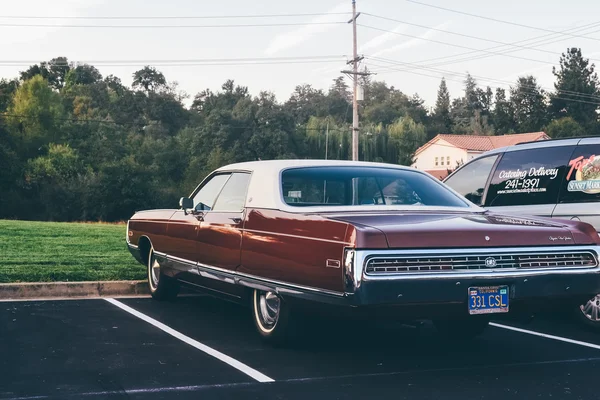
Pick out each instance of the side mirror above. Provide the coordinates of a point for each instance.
(186, 203)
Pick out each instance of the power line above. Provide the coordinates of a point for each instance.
(537, 41)
(526, 88)
(137, 17)
(565, 92)
(169, 26)
(468, 36)
(498, 20)
(188, 62)
(454, 45)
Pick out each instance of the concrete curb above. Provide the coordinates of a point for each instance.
(42, 290)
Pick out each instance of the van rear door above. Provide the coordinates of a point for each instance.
(579, 196)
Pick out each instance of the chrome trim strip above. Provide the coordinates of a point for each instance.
(291, 285)
(295, 236)
(362, 256)
(235, 277)
(132, 246)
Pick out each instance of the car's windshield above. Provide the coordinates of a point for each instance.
(344, 186)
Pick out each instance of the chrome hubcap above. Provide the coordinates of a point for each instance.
(591, 309)
(154, 272)
(268, 309)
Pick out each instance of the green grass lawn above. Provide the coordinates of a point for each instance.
(57, 251)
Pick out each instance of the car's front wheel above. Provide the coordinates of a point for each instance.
(271, 317)
(589, 313)
(162, 287)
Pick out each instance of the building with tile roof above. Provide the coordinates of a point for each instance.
(444, 153)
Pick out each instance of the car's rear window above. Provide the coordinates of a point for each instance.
(334, 186)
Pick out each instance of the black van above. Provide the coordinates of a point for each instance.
(558, 178)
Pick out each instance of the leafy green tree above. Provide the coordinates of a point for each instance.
(7, 90)
(306, 102)
(564, 127)
(149, 79)
(529, 105)
(83, 75)
(54, 71)
(577, 89)
(407, 136)
(35, 115)
(50, 181)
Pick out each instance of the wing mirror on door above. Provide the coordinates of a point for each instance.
(186, 203)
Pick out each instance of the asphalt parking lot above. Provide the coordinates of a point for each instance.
(200, 347)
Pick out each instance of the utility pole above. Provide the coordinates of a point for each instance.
(354, 74)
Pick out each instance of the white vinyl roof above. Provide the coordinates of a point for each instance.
(264, 190)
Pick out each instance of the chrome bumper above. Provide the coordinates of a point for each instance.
(408, 288)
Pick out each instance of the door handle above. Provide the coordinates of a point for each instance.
(237, 220)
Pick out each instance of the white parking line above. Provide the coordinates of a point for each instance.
(202, 347)
(545, 335)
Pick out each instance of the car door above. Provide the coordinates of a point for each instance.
(527, 179)
(580, 189)
(183, 226)
(220, 232)
(471, 179)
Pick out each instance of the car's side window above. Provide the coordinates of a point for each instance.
(582, 182)
(529, 177)
(471, 179)
(233, 195)
(206, 196)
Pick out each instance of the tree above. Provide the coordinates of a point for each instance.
(54, 71)
(340, 88)
(441, 113)
(503, 113)
(7, 90)
(564, 127)
(149, 79)
(83, 75)
(577, 89)
(35, 115)
(472, 95)
(529, 105)
(407, 136)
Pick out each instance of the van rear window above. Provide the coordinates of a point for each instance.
(582, 181)
(532, 176)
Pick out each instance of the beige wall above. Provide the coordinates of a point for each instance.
(441, 149)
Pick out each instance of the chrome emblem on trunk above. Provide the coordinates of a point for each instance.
(490, 262)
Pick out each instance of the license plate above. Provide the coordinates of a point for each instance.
(488, 299)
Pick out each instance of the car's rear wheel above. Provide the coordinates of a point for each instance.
(162, 287)
(468, 328)
(271, 316)
(589, 313)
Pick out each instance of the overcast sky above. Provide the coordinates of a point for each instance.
(102, 44)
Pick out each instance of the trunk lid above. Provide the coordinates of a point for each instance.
(457, 229)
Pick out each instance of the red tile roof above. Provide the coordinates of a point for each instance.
(485, 143)
(438, 173)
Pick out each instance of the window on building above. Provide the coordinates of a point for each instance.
(436, 161)
(442, 160)
(448, 160)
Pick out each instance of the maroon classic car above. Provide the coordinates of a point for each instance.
(376, 240)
